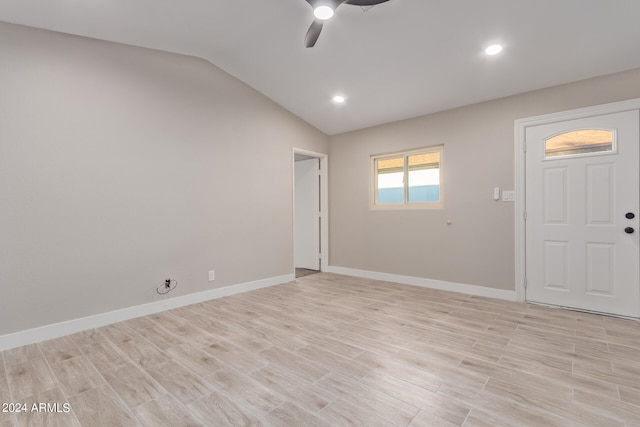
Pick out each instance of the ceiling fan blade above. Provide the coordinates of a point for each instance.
(313, 33)
(365, 2)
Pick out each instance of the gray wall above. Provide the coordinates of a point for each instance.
(122, 166)
(478, 247)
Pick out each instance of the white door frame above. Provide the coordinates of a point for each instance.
(324, 204)
(521, 126)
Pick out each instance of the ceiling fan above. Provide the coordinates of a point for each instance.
(323, 10)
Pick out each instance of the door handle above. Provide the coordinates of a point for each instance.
(629, 230)
(629, 215)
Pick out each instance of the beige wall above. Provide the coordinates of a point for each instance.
(478, 247)
(122, 166)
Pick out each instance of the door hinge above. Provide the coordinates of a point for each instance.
(525, 283)
(524, 146)
(524, 215)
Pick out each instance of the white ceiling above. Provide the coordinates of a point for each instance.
(397, 60)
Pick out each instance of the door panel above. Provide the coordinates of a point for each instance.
(600, 269)
(555, 191)
(600, 194)
(577, 251)
(555, 265)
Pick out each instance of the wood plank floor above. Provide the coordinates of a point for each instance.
(330, 350)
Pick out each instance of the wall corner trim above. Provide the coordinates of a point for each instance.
(476, 290)
(57, 330)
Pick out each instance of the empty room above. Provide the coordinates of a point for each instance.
(320, 213)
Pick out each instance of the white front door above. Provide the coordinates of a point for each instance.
(582, 202)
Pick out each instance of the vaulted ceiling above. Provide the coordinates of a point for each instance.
(396, 60)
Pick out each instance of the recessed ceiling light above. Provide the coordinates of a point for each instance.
(323, 12)
(494, 49)
(338, 99)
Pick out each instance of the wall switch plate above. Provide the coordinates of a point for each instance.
(212, 275)
(508, 196)
(496, 193)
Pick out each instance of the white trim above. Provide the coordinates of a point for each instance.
(427, 283)
(57, 330)
(520, 127)
(324, 204)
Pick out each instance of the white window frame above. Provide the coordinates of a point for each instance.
(373, 187)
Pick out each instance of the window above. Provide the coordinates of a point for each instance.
(580, 142)
(407, 180)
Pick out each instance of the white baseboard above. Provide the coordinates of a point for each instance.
(69, 327)
(482, 291)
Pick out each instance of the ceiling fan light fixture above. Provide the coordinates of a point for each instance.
(494, 49)
(323, 12)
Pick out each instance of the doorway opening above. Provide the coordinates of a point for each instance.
(310, 219)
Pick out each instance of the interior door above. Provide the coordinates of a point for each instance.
(582, 191)
(307, 214)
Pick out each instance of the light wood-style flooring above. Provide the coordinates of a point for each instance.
(301, 272)
(330, 350)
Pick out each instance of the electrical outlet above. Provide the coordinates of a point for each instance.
(212, 275)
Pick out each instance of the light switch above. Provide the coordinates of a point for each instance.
(508, 196)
